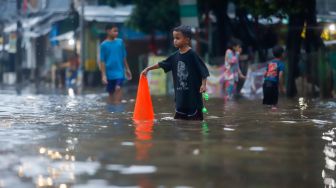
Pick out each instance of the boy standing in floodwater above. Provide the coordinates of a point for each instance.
(189, 75)
(113, 64)
(274, 78)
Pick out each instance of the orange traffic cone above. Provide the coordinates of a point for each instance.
(143, 110)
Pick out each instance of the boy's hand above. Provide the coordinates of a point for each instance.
(104, 80)
(283, 90)
(128, 74)
(144, 72)
(203, 88)
(240, 50)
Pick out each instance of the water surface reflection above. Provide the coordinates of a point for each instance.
(65, 142)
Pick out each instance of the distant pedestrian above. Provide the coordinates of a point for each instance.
(113, 64)
(71, 73)
(231, 69)
(189, 74)
(274, 79)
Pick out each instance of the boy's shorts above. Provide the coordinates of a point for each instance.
(197, 116)
(112, 84)
(71, 77)
(271, 93)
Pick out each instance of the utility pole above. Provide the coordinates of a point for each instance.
(189, 16)
(18, 58)
(209, 34)
(82, 43)
(82, 38)
(2, 52)
(74, 16)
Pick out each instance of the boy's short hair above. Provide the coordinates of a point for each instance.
(185, 30)
(278, 51)
(110, 26)
(234, 42)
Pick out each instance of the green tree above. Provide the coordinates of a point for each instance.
(114, 2)
(224, 26)
(241, 26)
(301, 14)
(306, 15)
(152, 16)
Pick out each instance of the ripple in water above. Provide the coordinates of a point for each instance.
(328, 174)
(133, 169)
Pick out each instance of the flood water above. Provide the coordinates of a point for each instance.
(81, 142)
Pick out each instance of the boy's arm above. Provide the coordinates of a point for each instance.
(241, 75)
(229, 57)
(203, 86)
(103, 72)
(64, 65)
(145, 71)
(128, 71)
(282, 82)
(102, 65)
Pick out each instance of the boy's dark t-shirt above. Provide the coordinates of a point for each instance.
(188, 70)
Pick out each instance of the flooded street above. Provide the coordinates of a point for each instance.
(81, 142)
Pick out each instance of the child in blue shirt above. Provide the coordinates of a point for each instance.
(113, 64)
(274, 78)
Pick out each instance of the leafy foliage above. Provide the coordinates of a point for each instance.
(114, 2)
(266, 8)
(149, 16)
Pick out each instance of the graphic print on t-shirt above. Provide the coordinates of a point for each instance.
(182, 74)
(272, 70)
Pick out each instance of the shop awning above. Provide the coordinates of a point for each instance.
(107, 14)
(37, 25)
(66, 36)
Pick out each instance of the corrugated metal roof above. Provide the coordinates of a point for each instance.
(325, 6)
(7, 9)
(58, 5)
(38, 23)
(108, 14)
